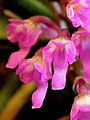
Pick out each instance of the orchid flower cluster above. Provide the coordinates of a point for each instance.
(51, 62)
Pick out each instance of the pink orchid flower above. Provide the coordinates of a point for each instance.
(81, 106)
(26, 33)
(38, 70)
(60, 52)
(78, 11)
(81, 38)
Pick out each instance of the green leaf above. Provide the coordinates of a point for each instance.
(36, 7)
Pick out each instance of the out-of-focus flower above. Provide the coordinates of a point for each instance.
(81, 38)
(26, 33)
(78, 11)
(60, 52)
(81, 106)
(38, 70)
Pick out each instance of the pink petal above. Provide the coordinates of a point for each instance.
(15, 35)
(85, 58)
(38, 66)
(59, 78)
(26, 77)
(60, 70)
(74, 112)
(84, 18)
(65, 33)
(10, 30)
(46, 71)
(26, 71)
(48, 52)
(32, 37)
(72, 14)
(37, 76)
(38, 60)
(60, 41)
(16, 58)
(48, 32)
(70, 52)
(14, 30)
(39, 95)
(16, 22)
(80, 108)
(22, 66)
(75, 10)
(49, 28)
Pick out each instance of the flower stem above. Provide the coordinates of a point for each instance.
(8, 89)
(17, 101)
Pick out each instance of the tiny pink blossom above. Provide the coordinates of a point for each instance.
(38, 70)
(78, 11)
(26, 33)
(81, 38)
(81, 106)
(60, 52)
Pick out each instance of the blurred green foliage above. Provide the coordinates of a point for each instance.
(3, 23)
(41, 7)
